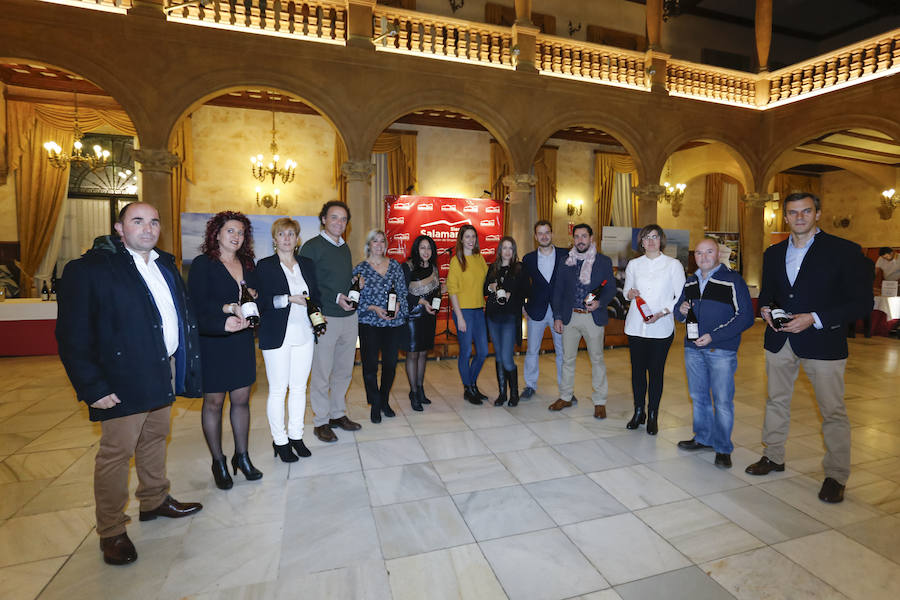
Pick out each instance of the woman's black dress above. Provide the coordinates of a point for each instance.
(229, 359)
(421, 282)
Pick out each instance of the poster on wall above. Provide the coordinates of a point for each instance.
(620, 244)
(407, 217)
(729, 248)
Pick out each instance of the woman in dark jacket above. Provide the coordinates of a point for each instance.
(226, 343)
(504, 287)
(286, 335)
(423, 285)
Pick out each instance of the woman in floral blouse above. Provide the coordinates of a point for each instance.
(379, 333)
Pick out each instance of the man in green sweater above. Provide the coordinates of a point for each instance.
(332, 366)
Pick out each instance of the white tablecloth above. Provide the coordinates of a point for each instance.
(889, 305)
(26, 309)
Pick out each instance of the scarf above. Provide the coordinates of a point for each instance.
(588, 257)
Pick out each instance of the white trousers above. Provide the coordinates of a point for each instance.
(287, 367)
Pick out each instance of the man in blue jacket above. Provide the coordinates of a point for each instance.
(822, 284)
(579, 302)
(129, 342)
(541, 267)
(721, 302)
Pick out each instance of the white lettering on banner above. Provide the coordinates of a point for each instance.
(401, 237)
(396, 251)
(487, 223)
(449, 208)
(492, 209)
(445, 267)
(425, 207)
(401, 206)
(470, 208)
(488, 251)
(396, 221)
(437, 234)
(492, 238)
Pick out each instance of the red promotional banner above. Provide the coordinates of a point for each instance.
(407, 217)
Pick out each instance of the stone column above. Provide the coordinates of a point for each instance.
(365, 216)
(647, 197)
(525, 41)
(654, 24)
(155, 167)
(523, 12)
(753, 241)
(763, 43)
(519, 212)
(657, 64)
(359, 23)
(4, 166)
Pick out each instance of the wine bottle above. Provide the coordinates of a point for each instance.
(315, 315)
(693, 325)
(353, 294)
(392, 303)
(53, 285)
(500, 294)
(248, 306)
(643, 308)
(436, 302)
(45, 293)
(592, 295)
(779, 317)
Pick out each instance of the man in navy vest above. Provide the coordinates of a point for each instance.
(540, 265)
(822, 284)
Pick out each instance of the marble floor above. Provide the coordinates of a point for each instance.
(471, 502)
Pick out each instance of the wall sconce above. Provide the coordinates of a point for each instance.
(573, 29)
(890, 199)
(574, 207)
(267, 200)
(841, 222)
(770, 217)
(455, 5)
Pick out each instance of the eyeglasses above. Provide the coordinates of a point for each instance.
(651, 236)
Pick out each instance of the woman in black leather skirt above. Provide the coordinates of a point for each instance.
(423, 285)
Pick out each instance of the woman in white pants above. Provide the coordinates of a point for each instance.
(286, 336)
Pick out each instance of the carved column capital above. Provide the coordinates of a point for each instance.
(155, 160)
(520, 182)
(359, 170)
(648, 191)
(758, 200)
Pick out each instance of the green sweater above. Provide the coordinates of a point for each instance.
(334, 268)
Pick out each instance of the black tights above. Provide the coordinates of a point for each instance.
(415, 369)
(211, 419)
(648, 362)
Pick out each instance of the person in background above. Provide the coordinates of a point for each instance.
(503, 313)
(226, 342)
(286, 336)
(658, 280)
(380, 332)
(422, 285)
(465, 283)
(720, 301)
(128, 340)
(887, 267)
(540, 266)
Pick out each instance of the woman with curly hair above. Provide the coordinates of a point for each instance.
(226, 342)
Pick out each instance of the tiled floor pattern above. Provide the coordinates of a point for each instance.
(471, 502)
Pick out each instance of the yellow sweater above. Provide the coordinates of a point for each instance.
(468, 285)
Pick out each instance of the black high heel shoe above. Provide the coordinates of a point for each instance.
(300, 448)
(652, 427)
(220, 474)
(639, 418)
(242, 462)
(422, 398)
(284, 452)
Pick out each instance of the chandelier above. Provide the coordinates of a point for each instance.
(670, 9)
(61, 160)
(262, 170)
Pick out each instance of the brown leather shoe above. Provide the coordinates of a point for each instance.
(559, 405)
(118, 550)
(324, 433)
(600, 411)
(171, 508)
(831, 491)
(344, 423)
(763, 467)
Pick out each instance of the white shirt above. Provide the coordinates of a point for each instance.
(299, 329)
(546, 263)
(162, 297)
(660, 282)
(338, 243)
(890, 268)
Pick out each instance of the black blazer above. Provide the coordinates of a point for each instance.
(564, 290)
(833, 282)
(273, 282)
(541, 292)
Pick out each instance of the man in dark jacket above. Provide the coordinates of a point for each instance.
(579, 302)
(720, 301)
(821, 283)
(129, 343)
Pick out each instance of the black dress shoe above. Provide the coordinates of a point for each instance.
(723, 460)
(118, 550)
(242, 462)
(831, 491)
(325, 434)
(763, 467)
(691, 444)
(300, 448)
(639, 418)
(284, 452)
(344, 423)
(221, 475)
(171, 508)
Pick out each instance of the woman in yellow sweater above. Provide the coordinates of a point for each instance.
(465, 284)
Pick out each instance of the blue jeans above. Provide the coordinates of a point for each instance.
(710, 375)
(535, 335)
(476, 331)
(503, 334)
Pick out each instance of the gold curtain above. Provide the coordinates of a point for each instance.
(340, 157)
(712, 201)
(182, 175)
(499, 169)
(606, 166)
(545, 187)
(400, 146)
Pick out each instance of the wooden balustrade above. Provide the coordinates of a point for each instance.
(701, 81)
(442, 37)
(319, 20)
(119, 6)
(590, 62)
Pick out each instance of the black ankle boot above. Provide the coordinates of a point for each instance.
(652, 427)
(284, 452)
(639, 418)
(414, 401)
(477, 393)
(386, 409)
(375, 412)
(501, 386)
(512, 377)
(220, 474)
(242, 462)
(300, 448)
(472, 396)
(422, 397)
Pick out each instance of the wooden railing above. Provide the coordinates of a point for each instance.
(319, 20)
(442, 37)
(119, 6)
(591, 62)
(702, 81)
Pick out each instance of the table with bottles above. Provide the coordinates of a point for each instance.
(27, 327)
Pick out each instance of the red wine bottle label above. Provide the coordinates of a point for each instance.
(693, 331)
(316, 319)
(436, 303)
(249, 309)
(779, 314)
(392, 303)
(354, 296)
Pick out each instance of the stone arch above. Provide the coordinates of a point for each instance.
(737, 150)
